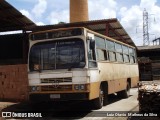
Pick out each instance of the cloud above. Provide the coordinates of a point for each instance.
(102, 9)
(40, 23)
(148, 4)
(31, 17)
(26, 13)
(58, 16)
(27, 1)
(37, 11)
(40, 8)
(132, 20)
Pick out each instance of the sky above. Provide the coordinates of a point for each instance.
(128, 12)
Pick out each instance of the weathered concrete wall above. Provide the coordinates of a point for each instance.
(13, 82)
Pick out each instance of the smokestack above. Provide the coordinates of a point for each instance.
(78, 10)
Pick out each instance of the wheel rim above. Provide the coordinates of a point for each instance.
(128, 90)
(101, 97)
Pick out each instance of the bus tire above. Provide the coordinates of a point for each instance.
(125, 93)
(98, 102)
(105, 95)
(33, 105)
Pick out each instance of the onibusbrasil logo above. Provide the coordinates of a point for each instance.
(20, 115)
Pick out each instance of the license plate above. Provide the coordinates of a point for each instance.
(54, 96)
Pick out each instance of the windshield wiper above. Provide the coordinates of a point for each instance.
(73, 62)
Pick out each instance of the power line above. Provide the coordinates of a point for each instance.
(145, 28)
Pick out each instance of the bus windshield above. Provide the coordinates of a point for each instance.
(62, 54)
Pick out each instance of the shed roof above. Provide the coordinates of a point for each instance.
(11, 19)
(108, 27)
(149, 48)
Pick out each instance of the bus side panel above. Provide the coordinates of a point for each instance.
(111, 88)
(116, 74)
(94, 90)
(124, 72)
(120, 84)
(134, 75)
(106, 74)
(94, 84)
(121, 73)
(134, 81)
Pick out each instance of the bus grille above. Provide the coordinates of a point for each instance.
(56, 80)
(56, 88)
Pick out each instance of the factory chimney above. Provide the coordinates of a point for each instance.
(78, 10)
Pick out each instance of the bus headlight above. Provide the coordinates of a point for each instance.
(80, 87)
(38, 88)
(76, 87)
(34, 88)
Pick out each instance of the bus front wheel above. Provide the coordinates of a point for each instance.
(101, 100)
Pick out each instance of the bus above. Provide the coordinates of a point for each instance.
(79, 64)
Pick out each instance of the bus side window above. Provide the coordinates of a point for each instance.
(132, 55)
(100, 48)
(135, 55)
(119, 52)
(110, 46)
(91, 54)
(126, 54)
(112, 56)
(101, 54)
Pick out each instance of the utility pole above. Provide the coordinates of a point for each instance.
(145, 28)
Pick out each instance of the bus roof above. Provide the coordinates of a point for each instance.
(96, 33)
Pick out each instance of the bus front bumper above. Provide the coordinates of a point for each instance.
(58, 97)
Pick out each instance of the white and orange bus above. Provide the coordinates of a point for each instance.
(79, 64)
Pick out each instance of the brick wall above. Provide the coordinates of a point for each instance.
(14, 82)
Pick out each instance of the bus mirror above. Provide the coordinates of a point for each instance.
(92, 44)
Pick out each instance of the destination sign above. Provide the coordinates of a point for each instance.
(56, 34)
